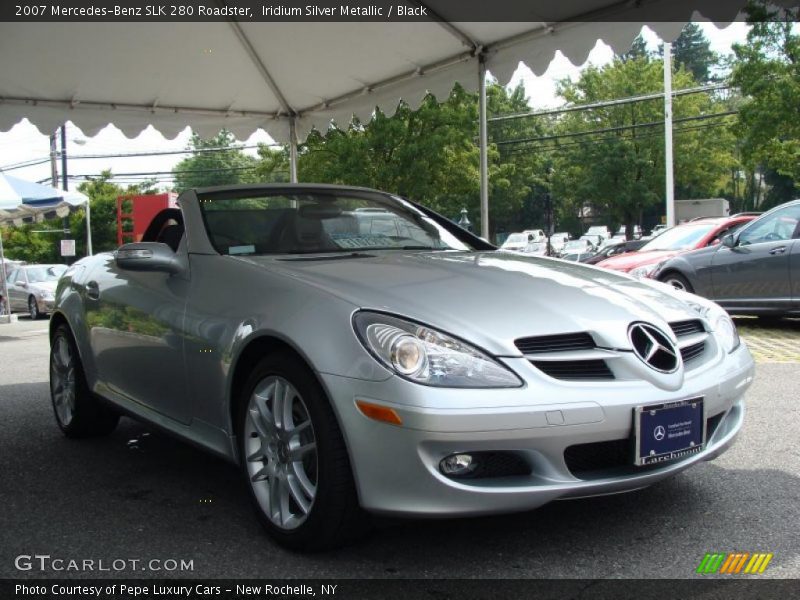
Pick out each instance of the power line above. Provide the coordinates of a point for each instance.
(604, 103)
(612, 129)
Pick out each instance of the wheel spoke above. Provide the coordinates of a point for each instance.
(285, 492)
(296, 454)
(63, 352)
(299, 474)
(298, 493)
(274, 499)
(287, 401)
(262, 474)
(298, 429)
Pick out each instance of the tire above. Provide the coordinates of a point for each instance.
(78, 412)
(305, 497)
(33, 308)
(677, 281)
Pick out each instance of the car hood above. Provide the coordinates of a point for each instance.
(491, 298)
(631, 260)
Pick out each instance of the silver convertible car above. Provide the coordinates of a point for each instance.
(353, 351)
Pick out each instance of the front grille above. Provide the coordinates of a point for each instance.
(583, 459)
(555, 343)
(691, 352)
(587, 460)
(684, 328)
(575, 370)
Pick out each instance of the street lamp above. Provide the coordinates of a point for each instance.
(464, 220)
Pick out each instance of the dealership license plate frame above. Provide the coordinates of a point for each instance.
(660, 411)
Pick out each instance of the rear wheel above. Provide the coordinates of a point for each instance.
(78, 412)
(33, 308)
(294, 458)
(678, 281)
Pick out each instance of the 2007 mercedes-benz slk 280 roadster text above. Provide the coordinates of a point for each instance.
(353, 350)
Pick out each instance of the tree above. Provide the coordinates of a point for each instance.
(692, 51)
(428, 154)
(209, 167)
(638, 50)
(767, 71)
(619, 170)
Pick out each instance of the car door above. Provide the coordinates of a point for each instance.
(17, 291)
(754, 273)
(136, 330)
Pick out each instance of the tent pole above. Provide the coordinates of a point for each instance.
(484, 142)
(89, 249)
(292, 149)
(6, 312)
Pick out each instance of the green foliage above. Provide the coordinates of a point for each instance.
(228, 166)
(767, 71)
(692, 51)
(620, 172)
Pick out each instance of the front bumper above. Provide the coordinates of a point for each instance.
(397, 467)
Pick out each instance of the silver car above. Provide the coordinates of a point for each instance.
(32, 288)
(410, 371)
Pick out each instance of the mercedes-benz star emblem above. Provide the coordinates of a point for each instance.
(654, 348)
(659, 433)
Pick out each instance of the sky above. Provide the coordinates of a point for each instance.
(24, 142)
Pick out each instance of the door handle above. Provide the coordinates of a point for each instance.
(93, 290)
(778, 250)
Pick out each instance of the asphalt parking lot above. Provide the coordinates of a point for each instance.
(140, 495)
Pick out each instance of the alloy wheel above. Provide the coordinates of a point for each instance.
(281, 452)
(62, 380)
(676, 283)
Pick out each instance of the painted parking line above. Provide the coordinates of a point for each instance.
(778, 343)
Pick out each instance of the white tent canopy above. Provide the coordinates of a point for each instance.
(290, 77)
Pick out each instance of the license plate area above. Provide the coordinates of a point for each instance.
(669, 431)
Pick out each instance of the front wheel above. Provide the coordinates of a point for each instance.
(294, 458)
(33, 308)
(678, 281)
(78, 412)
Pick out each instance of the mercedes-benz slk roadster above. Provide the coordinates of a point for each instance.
(354, 351)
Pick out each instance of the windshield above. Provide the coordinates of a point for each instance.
(682, 237)
(251, 223)
(45, 273)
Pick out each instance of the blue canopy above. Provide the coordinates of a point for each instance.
(16, 193)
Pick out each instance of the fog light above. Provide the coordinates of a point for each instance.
(457, 465)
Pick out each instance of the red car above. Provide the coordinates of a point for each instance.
(682, 238)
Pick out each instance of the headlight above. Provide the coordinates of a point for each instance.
(726, 333)
(645, 271)
(427, 356)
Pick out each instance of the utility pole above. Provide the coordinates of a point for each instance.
(65, 185)
(668, 166)
(53, 160)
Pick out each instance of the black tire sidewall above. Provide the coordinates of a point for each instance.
(91, 417)
(33, 308)
(678, 277)
(332, 487)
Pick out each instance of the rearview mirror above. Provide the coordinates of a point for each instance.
(729, 241)
(147, 256)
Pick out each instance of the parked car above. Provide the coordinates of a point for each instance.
(517, 241)
(755, 270)
(8, 267)
(601, 230)
(422, 373)
(657, 230)
(558, 240)
(621, 233)
(579, 246)
(31, 288)
(614, 250)
(682, 238)
(594, 240)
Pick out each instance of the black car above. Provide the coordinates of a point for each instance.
(754, 271)
(614, 249)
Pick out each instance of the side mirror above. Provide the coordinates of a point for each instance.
(729, 241)
(147, 256)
